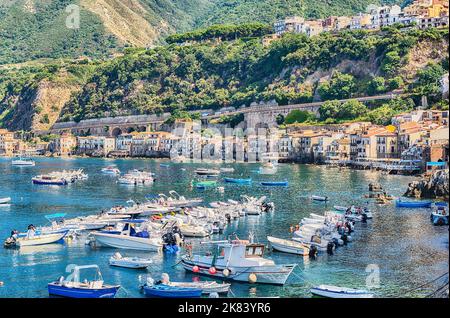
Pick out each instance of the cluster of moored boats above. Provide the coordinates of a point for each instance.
(60, 177)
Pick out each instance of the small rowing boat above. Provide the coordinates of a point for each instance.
(275, 183)
(330, 291)
(239, 181)
(413, 204)
(319, 198)
(167, 291)
(205, 184)
(288, 246)
(129, 262)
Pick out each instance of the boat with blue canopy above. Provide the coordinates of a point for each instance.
(76, 286)
(275, 183)
(239, 181)
(413, 204)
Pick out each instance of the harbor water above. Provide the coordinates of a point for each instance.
(400, 246)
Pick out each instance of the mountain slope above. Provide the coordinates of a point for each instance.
(33, 29)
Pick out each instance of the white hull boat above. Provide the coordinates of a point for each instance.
(206, 286)
(23, 162)
(128, 242)
(5, 200)
(288, 246)
(340, 292)
(239, 261)
(129, 262)
(319, 198)
(193, 231)
(41, 239)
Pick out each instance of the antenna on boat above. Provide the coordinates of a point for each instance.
(251, 237)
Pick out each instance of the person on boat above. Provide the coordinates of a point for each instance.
(164, 279)
(31, 231)
(14, 234)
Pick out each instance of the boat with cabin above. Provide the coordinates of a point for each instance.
(23, 162)
(238, 260)
(439, 216)
(49, 180)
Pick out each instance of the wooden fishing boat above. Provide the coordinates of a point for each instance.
(288, 246)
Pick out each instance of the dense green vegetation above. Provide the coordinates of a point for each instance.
(36, 29)
(208, 75)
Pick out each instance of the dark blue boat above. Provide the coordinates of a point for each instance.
(167, 291)
(413, 204)
(275, 183)
(75, 288)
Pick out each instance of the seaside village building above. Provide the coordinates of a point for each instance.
(64, 145)
(95, 145)
(7, 143)
(420, 13)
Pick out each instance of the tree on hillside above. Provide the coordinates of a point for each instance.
(340, 86)
(329, 109)
(428, 82)
(376, 86)
(351, 109)
(298, 116)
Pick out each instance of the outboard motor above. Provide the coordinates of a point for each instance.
(330, 248)
(313, 251)
(344, 237)
(228, 217)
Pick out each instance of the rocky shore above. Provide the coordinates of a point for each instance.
(430, 187)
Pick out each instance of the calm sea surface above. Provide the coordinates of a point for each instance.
(401, 243)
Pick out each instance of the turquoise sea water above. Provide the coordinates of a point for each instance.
(402, 243)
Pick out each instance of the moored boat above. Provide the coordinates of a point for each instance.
(128, 238)
(239, 181)
(439, 216)
(288, 246)
(275, 183)
(167, 291)
(129, 262)
(5, 200)
(39, 239)
(111, 170)
(238, 260)
(207, 172)
(413, 204)
(49, 180)
(22, 161)
(319, 198)
(76, 287)
(330, 291)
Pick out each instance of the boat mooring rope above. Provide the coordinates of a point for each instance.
(425, 284)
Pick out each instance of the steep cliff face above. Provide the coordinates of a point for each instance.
(436, 186)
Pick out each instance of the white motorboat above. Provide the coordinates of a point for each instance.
(207, 172)
(128, 238)
(129, 262)
(189, 230)
(340, 208)
(319, 198)
(340, 292)
(111, 170)
(288, 246)
(238, 260)
(40, 239)
(22, 161)
(207, 287)
(5, 200)
(227, 169)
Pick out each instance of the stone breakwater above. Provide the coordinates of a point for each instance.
(431, 187)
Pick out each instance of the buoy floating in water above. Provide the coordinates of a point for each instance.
(252, 278)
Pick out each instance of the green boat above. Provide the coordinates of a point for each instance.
(205, 184)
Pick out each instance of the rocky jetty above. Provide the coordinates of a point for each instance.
(430, 187)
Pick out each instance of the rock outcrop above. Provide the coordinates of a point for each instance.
(431, 187)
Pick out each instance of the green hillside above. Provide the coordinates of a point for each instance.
(33, 29)
(212, 74)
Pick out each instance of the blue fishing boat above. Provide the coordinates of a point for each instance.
(439, 216)
(77, 287)
(275, 183)
(413, 204)
(167, 291)
(239, 181)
